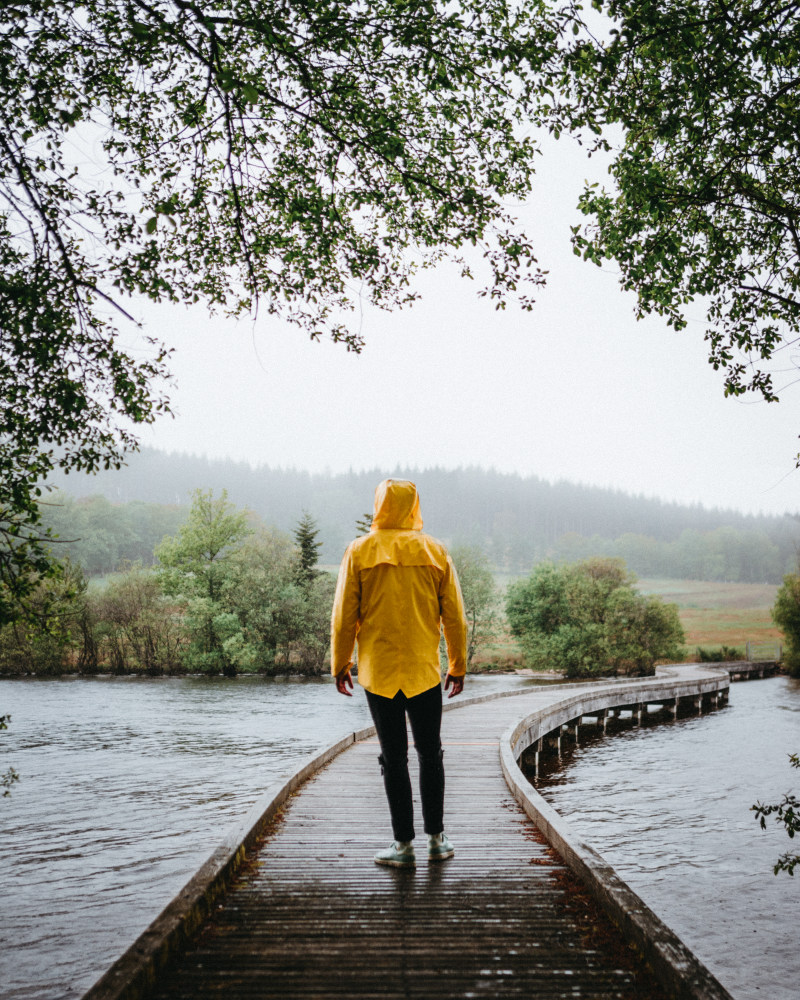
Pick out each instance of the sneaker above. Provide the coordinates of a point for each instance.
(399, 855)
(439, 847)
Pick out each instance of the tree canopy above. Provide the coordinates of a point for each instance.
(298, 156)
(698, 102)
(586, 619)
(786, 615)
(303, 157)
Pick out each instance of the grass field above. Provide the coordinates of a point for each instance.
(716, 614)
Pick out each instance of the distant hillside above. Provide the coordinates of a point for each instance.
(518, 520)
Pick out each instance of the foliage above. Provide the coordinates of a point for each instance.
(195, 560)
(481, 602)
(25, 558)
(697, 103)
(195, 565)
(284, 617)
(136, 626)
(787, 812)
(722, 554)
(7, 778)
(44, 641)
(725, 654)
(99, 535)
(305, 157)
(226, 597)
(315, 625)
(364, 524)
(305, 535)
(517, 520)
(586, 619)
(262, 590)
(786, 615)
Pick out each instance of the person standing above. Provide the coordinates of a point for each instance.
(397, 588)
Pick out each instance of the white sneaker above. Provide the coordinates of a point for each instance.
(439, 847)
(399, 855)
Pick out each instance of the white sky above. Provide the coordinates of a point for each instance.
(576, 389)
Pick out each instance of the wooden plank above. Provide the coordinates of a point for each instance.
(313, 916)
(309, 914)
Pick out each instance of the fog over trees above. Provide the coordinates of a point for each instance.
(518, 521)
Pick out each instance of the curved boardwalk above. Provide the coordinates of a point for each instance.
(310, 915)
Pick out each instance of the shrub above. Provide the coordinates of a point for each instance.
(587, 619)
(137, 629)
(725, 654)
(786, 615)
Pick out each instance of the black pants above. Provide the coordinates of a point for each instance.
(425, 714)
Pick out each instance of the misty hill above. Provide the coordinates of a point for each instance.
(517, 520)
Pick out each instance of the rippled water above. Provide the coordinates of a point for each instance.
(126, 786)
(668, 806)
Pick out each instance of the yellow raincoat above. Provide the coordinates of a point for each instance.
(396, 586)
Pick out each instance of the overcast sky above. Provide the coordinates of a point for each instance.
(576, 389)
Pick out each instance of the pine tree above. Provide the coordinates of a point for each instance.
(305, 534)
(364, 524)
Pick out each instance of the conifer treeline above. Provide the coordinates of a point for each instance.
(516, 520)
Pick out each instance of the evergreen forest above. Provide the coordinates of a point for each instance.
(121, 515)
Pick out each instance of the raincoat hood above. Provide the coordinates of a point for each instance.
(396, 506)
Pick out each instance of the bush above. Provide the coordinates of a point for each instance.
(725, 654)
(136, 627)
(786, 615)
(45, 641)
(586, 619)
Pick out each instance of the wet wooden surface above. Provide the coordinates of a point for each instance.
(312, 916)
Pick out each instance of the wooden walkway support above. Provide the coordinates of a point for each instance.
(310, 915)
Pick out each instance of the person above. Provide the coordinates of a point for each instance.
(397, 588)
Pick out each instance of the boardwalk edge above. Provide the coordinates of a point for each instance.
(675, 965)
(133, 975)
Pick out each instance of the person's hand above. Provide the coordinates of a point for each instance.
(457, 685)
(343, 682)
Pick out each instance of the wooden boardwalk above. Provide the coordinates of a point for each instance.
(312, 916)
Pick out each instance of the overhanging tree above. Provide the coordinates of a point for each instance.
(8, 777)
(786, 813)
(300, 156)
(698, 102)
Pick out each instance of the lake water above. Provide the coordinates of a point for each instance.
(668, 805)
(128, 784)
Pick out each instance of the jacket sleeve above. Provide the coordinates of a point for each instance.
(451, 607)
(345, 616)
